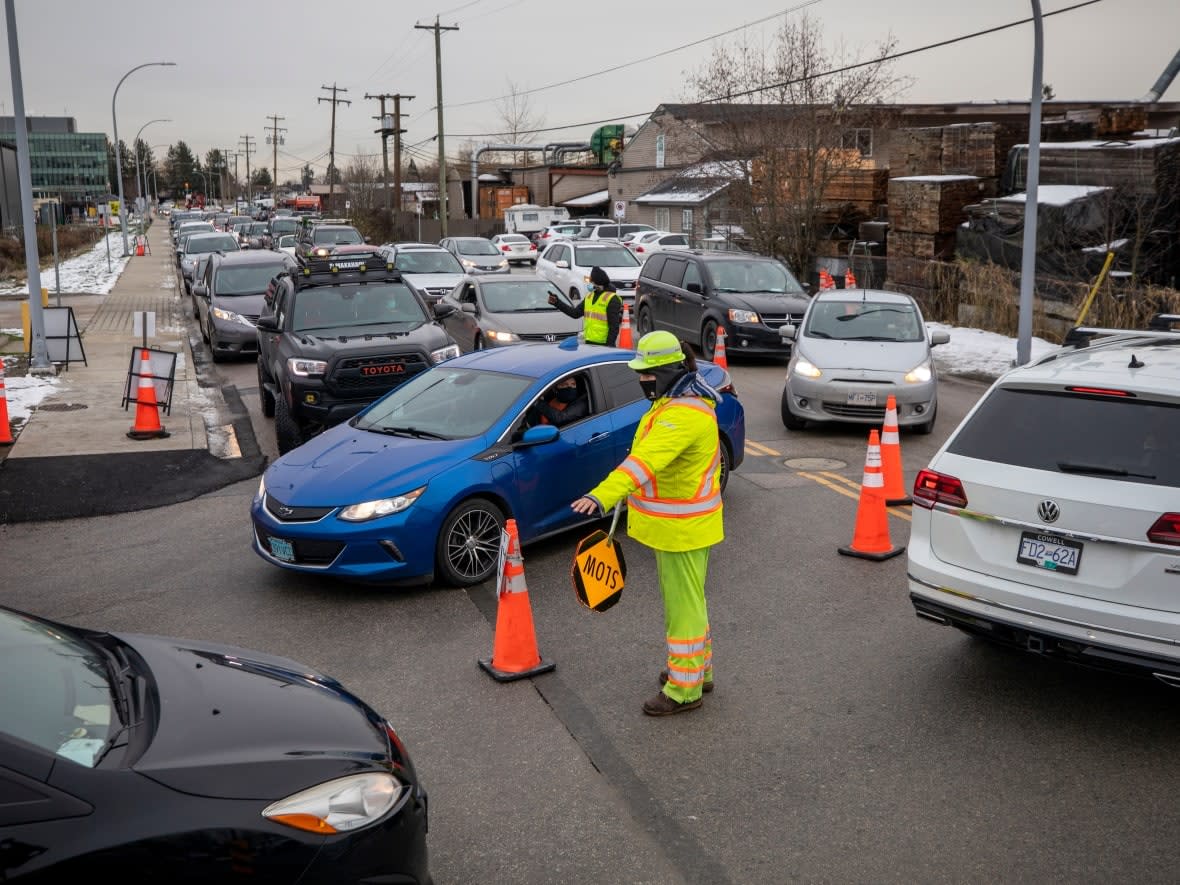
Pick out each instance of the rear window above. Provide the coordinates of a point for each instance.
(1126, 439)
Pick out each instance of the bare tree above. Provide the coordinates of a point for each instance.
(518, 117)
(362, 176)
(794, 117)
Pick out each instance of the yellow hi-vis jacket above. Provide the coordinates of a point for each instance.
(671, 479)
(595, 324)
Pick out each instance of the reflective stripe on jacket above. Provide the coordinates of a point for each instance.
(595, 325)
(671, 479)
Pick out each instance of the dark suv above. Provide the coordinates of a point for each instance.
(336, 334)
(693, 294)
(320, 240)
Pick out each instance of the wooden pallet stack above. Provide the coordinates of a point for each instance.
(924, 212)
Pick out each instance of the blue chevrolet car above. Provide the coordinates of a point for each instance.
(418, 486)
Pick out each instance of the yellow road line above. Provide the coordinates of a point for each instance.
(760, 449)
(845, 486)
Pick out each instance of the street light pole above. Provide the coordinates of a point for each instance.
(142, 188)
(1028, 260)
(118, 153)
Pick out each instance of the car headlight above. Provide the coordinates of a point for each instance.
(261, 486)
(338, 806)
(467, 262)
(806, 369)
(380, 507)
(321, 252)
(306, 368)
(503, 262)
(230, 317)
(502, 336)
(920, 374)
(444, 353)
(742, 316)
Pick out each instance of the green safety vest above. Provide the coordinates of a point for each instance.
(594, 323)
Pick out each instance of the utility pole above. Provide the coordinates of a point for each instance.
(248, 146)
(397, 146)
(442, 156)
(385, 131)
(334, 89)
(273, 138)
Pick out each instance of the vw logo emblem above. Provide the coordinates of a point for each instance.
(284, 511)
(1048, 511)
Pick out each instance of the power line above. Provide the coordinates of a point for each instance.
(780, 85)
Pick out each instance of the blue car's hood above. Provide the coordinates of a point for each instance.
(344, 465)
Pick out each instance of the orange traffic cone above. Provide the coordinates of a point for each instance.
(5, 431)
(147, 411)
(625, 329)
(514, 654)
(849, 279)
(825, 280)
(719, 356)
(895, 487)
(870, 539)
(139, 241)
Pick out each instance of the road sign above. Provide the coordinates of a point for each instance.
(348, 204)
(114, 207)
(599, 571)
(620, 209)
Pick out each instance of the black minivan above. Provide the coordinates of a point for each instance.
(693, 294)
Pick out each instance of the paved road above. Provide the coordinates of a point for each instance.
(846, 741)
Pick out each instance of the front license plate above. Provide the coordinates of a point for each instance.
(281, 549)
(862, 399)
(1049, 552)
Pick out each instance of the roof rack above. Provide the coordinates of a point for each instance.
(1161, 326)
(313, 270)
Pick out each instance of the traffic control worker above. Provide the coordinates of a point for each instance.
(672, 483)
(601, 310)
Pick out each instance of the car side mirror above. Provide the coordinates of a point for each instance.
(787, 332)
(538, 436)
(694, 287)
(468, 307)
(200, 291)
(443, 310)
(563, 264)
(268, 323)
(368, 239)
(940, 337)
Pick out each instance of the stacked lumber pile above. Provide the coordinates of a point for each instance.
(1148, 167)
(924, 212)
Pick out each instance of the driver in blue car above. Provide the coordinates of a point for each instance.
(562, 404)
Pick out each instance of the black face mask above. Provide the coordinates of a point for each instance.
(567, 394)
(650, 388)
(665, 377)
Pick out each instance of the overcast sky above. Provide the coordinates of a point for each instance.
(239, 61)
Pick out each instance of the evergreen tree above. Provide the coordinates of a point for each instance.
(179, 167)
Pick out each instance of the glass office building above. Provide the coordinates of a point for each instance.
(67, 165)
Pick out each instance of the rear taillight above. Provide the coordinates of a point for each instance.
(533, 246)
(932, 488)
(638, 248)
(1166, 530)
(506, 248)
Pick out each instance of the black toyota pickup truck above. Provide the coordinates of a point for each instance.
(337, 333)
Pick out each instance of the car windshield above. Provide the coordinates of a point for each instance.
(1120, 438)
(287, 240)
(195, 227)
(752, 276)
(247, 280)
(56, 692)
(857, 320)
(283, 226)
(477, 247)
(452, 403)
(337, 307)
(518, 296)
(605, 256)
(427, 261)
(340, 236)
(220, 243)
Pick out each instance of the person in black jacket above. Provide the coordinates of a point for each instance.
(601, 310)
(562, 404)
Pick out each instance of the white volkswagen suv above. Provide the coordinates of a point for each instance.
(1050, 519)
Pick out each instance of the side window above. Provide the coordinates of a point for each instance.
(674, 240)
(282, 303)
(673, 273)
(653, 266)
(692, 274)
(531, 416)
(621, 384)
(468, 296)
(608, 231)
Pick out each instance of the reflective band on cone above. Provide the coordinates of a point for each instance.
(625, 341)
(719, 356)
(870, 539)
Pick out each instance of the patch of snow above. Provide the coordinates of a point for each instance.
(979, 352)
(84, 273)
(1056, 194)
(937, 178)
(25, 392)
(1107, 247)
(1138, 144)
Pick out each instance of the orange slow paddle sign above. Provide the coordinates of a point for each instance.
(599, 569)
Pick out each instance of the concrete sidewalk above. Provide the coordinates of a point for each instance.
(73, 456)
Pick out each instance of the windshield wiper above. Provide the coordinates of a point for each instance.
(1099, 469)
(414, 432)
(818, 334)
(868, 338)
(864, 313)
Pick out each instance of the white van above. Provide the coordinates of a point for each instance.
(528, 219)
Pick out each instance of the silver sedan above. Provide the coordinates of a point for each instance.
(494, 311)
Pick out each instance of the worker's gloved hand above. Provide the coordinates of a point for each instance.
(553, 298)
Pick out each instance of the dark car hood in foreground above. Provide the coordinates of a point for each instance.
(237, 724)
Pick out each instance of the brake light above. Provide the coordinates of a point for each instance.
(1099, 391)
(1166, 530)
(638, 248)
(533, 247)
(932, 488)
(506, 248)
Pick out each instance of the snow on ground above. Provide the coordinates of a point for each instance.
(978, 352)
(25, 392)
(84, 273)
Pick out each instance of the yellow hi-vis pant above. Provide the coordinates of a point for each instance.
(686, 622)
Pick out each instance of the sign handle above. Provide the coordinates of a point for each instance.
(614, 523)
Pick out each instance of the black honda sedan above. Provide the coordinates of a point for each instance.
(136, 758)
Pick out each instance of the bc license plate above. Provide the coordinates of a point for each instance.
(862, 399)
(1049, 552)
(281, 549)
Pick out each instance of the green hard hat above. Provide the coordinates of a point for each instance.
(656, 349)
